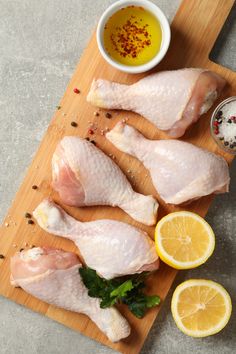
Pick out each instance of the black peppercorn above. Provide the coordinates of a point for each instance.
(108, 115)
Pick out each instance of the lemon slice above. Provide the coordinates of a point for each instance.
(184, 240)
(200, 307)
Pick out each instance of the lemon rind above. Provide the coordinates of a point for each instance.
(201, 282)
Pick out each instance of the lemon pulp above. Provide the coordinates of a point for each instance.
(184, 240)
(200, 307)
(132, 36)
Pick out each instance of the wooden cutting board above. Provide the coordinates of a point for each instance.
(194, 31)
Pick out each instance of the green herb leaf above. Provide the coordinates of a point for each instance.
(122, 290)
(92, 281)
(138, 308)
(127, 291)
(152, 301)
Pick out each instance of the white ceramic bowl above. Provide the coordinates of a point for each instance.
(165, 27)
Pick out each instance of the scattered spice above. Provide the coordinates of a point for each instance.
(76, 90)
(30, 222)
(58, 107)
(2, 256)
(32, 246)
(108, 115)
(74, 124)
(130, 39)
(87, 138)
(93, 142)
(22, 249)
(28, 215)
(96, 114)
(34, 186)
(90, 131)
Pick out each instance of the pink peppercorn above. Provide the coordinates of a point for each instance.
(90, 131)
(76, 90)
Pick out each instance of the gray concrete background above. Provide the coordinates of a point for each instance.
(40, 45)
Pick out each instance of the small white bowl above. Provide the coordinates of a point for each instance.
(165, 27)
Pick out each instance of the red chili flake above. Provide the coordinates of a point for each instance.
(216, 131)
(76, 90)
(215, 123)
(90, 131)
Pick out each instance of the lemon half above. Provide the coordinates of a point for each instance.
(200, 307)
(184, 240)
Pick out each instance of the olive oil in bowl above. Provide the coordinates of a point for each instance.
(132, 36)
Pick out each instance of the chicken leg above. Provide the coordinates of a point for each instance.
(180, 171)
(110, 247)
(171, 100)
(83, 175)
(52, 276)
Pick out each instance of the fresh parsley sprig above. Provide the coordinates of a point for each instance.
(124, 290)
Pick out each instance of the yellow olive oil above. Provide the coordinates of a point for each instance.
(132, 36)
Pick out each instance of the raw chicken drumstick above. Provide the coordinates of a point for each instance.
(110, 247)
(180, 171)
(52, 276)
(83, 175)
(171, 100)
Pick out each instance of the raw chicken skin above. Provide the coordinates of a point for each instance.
(171, 100)
(180, 171)
(110, 247)
(83, 175)
(52, 276)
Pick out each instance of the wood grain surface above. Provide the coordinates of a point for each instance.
(194, 31)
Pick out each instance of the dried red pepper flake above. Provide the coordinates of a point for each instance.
(76, 90)
(90, 131)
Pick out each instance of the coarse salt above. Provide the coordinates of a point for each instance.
(227, 125)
